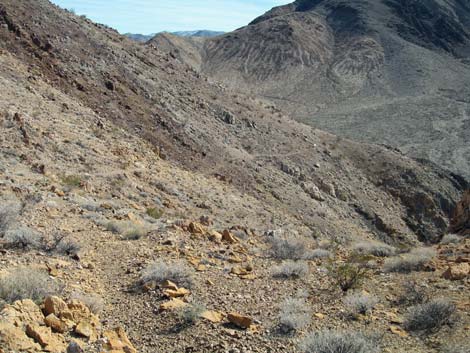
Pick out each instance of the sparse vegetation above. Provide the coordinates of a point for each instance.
(360, 304)
(318, 254)
(451, 239)
(337, 342)
(456, 348)
(415, 260)
(430, 316)
(8, 215)
(128, 230)
(374, 248)
(94, 302)
(177, 272)
(72, 181)
(154, 212)
(191, 314)
(347, 275)
(412, 294)
(22, 237)
(27, 283)
(291, 269)
(288, 246)
(294, 314)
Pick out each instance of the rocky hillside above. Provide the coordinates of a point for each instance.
(389, 71)
(126, 176)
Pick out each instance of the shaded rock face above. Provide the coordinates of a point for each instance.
(461, 219)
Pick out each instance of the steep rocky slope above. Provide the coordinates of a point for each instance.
(388, 71)
(138, 158)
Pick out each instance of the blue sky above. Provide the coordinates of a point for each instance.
(150, 16)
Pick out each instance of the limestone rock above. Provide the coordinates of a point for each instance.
(56, 324)
(457, 272)
(86, 329)
(180, 292)
(196, 228)
(117, 341)
(54, 305)
(229, 237)
(22, 312)
(240, 320)
(14, 339)
(215, 236)
(212, 316)
(173, 304)
(53, 343)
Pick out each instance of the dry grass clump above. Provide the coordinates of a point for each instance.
(451, 239)
(337, 342)
(22, 237)
(27, 283)
(374, 248)
(294, 314)
(128, 230)
(412, 294)
(94, 302)
(347, 275)
(430, 316)
(415, 260)
(8, 215)
(191, 314)
(360, 304)
(318, 254)
(288, 246)
(291, 269)
(177, 272)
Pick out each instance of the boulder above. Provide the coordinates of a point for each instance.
(56, 324)
(13, 338)
(22, 312)
(460, 223)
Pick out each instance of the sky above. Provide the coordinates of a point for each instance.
(151, 16)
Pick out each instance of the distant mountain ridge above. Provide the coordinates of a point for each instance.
(394, 72)
(198, 33)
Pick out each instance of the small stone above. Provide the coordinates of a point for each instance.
(319, 316)
(85, 329)
(229, 237)
(212, 316)
(55, 323)
(173, 304)
(398, 331)
(196, 228)
(169, 285)
(215, 236)
(240, 320)
(117, 340)
(180, 292)
(54, 305)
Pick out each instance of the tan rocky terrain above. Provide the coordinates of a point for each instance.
(114, 156)
(390, 72)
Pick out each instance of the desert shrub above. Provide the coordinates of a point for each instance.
(22, 237)
(451, 239)
(128, 230)
(412, 294)
(72, 181)
(8, 215)
(94, 302)
(415, 260)
(191, 314)
(360, 304)
(26, 283)
(430, 316)
(347, 275)
(154, 212)
(177, 272)
(288, 247)
(294, 314)
(374, 248)
(68, 246)
(291, 269)
(337, 342)
(318, 254)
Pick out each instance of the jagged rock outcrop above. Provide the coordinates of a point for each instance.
(460, 223)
